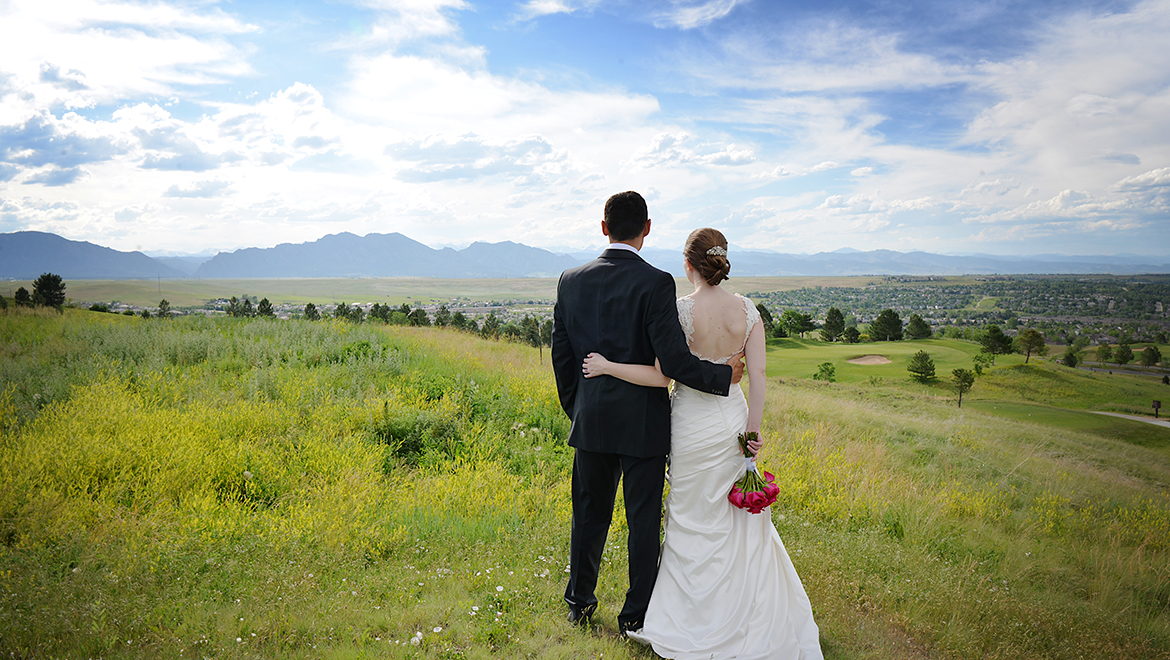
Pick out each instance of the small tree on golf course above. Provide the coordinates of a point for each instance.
(886, 327)
(1150, 356)
(921, 367)
(1104, 352)
(834, 325)
(1031, 341)
(1124, 355)
(995, 342)
(963, 380)
(916, 328)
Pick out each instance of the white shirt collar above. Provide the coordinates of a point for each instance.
(622, 246)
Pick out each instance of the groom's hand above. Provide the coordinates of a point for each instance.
(736, 363)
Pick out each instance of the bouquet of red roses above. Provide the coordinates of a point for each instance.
(753, 492)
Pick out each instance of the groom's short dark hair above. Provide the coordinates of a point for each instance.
(625, 215)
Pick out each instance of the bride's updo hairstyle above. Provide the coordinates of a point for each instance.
(706, 251)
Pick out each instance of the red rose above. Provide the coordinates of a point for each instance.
(736, 497)
(755, 500)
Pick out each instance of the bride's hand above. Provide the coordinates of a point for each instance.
(595, 364)
(756, 445)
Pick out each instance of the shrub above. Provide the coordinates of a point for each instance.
(826, 371)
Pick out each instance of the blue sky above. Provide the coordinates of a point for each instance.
(959, 127)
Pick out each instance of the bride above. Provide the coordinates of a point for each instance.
(726, 587)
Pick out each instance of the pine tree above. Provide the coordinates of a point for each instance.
(49, 291)
(491, 327)
(918, 328)
(1124, 355)
(995, 342)
(264, 308)
(21, 298)
(921, 367)
(311, 312)
(1031, 341)
(766, 318)
(834, 325)
(164, 309)
(886, 327)
(963, 381)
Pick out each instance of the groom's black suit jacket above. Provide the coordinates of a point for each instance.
(623, 308)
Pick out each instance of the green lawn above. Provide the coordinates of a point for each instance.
(798, 358)
(1151, 436)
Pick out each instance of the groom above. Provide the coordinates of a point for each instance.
(623, 308)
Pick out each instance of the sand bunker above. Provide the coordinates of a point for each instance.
(869, 360)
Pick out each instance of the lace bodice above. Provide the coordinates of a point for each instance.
(686, 318)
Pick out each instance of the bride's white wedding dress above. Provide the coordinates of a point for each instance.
(726, 587)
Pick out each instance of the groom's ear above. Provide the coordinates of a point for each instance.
(604, 229)
(646, 231)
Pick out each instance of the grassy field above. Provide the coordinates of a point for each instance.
(798, 358)
(257, 488)
(393, 290)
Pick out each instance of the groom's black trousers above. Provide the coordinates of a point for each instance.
(595, 482)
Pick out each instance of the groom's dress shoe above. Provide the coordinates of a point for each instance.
(629, 627)
(581, 616)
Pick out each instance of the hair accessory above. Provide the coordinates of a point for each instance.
(717, 251)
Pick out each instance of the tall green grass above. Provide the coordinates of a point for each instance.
(251, 488)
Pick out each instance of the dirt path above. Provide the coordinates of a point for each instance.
(1136, 418)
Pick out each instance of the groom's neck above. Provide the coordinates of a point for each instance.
(635, 243)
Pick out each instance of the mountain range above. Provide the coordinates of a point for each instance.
(25, 255)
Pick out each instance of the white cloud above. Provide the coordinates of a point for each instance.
(667, 149)
(94, 52)
(209, 188)
(688, 14)
(998, 187)
(822, 56)
(402, 21)
(861, 171)
(535, 8)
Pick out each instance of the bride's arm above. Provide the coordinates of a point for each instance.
(754, 351)
(639, 374)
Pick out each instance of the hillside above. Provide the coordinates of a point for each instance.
(263, 488)
(384, 255)
(24, 255)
